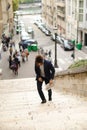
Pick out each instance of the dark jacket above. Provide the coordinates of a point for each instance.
(48, 70)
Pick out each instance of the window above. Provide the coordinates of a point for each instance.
(81, 3)
(80, 17)
(81, 10)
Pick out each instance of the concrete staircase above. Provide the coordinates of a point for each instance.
(20, 108)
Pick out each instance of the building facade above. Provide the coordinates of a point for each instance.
(53, 14)
(76, 20)
(48, 11)
(69, 17)
(84, 30)
(6, 16)
(61, 17)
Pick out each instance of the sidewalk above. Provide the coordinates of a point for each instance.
(84, 49)
(20, 108)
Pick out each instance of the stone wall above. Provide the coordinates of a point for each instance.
(75, 83)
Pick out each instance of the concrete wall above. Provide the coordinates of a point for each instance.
(7, 16)
(75, 83)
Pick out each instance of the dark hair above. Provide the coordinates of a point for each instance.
(39, 59)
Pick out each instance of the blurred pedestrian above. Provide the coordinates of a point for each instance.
(10, 61)
(15, 64)
(10, 50)
(49, 53)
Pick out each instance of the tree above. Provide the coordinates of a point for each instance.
(15, 4)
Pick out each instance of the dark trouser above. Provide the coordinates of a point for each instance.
(39, 88)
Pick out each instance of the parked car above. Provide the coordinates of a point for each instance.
(40, 25)
(67, 44)
(24, 36)
(37, 21)
(47, 32)
(30, 30)
(42, 29)
(60, 39)
(53, 36)
(27, 43)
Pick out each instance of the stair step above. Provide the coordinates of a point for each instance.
(17, 85)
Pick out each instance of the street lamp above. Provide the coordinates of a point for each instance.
(73, 54)
(55, 61)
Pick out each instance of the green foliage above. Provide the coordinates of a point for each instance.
(80, 63)
(15, 4)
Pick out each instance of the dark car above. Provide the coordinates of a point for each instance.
(67, 44)
(27, 43)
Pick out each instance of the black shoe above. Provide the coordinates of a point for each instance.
(50, 99)
(44, 101)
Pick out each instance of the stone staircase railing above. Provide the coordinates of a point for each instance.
(73, 81)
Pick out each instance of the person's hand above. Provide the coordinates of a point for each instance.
(40, 79)
(51, 82)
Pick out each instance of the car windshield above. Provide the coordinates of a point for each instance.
(70, 42)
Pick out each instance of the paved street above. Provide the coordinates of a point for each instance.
(27, 69)
(20, 108)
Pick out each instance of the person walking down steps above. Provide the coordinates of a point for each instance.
(44, 72)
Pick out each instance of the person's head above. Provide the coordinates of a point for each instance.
(39, 60)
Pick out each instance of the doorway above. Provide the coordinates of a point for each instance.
(85, 39)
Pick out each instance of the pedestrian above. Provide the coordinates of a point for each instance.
(10, 50)
(27, 53)
(15, 63)
(10, 61)
(18, 56)
(44, 72)
(7, 41)
(23, 56)
(12, 43)
(49, 53)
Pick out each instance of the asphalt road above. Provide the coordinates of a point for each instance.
(27, 69)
